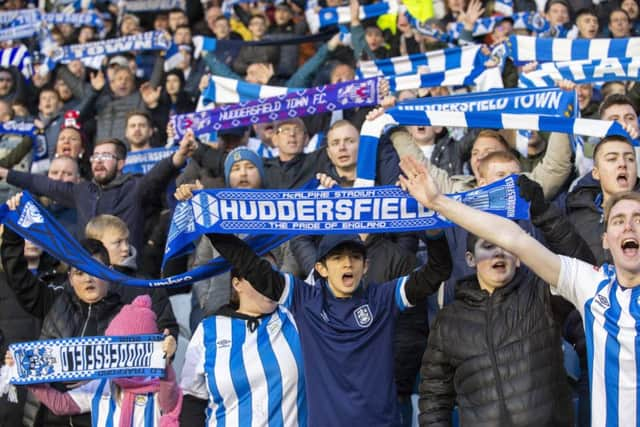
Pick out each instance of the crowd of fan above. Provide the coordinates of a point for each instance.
(91, 119)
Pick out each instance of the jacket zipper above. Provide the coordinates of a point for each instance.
(84, 328)
(494, 365)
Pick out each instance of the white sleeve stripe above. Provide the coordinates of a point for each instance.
(287, 289)
(401, 294)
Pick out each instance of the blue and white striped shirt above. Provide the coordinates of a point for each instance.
(611, 316)
(250, 378)
(99, 397)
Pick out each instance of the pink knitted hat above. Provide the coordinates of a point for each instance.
(134, 319)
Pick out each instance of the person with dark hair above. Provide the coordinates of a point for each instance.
(633, 10)
(342, 322)
(619, 24)
(484, 301)
(558, 13)
(605, 295)
(614, 171)
(12, 85)
(587, 23)
(173, 100)
(110, 191)
(83, 307)
(258, 25)
(17, 325)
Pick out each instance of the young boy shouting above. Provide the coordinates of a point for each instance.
(346, 329)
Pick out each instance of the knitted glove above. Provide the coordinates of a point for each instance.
(532, 193)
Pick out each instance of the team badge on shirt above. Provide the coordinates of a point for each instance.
(363, 316)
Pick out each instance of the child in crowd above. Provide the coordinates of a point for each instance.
(136, 401)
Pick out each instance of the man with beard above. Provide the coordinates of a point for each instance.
(110, 191)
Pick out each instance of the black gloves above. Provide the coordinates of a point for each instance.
(532, 192)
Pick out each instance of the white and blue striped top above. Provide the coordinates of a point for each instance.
(99, 397)
(611, 317)
(250, 378)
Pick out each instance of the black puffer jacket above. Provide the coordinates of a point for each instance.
(502, 365)
(586, 215)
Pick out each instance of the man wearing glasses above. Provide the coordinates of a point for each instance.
(293, 168)
(110, 191)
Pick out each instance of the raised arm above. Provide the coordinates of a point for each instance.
(61, 192)
(499, 231)
(555, 166)
(256, 270)
(33, 295)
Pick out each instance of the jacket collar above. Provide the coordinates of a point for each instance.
(468, 289)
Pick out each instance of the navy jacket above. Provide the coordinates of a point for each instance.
(126, 197)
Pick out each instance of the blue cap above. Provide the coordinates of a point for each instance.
(332, 241)
(242, 153)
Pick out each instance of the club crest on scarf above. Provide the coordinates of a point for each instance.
(30, 215)
(87, 358)
(35, 362)
(358, 92)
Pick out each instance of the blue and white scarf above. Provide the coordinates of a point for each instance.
(33, 18)
(138, 6)
(18, 32)
(466, 57)
(19, 17)
(18, 57)
(141, 162)
(546, 101)
(90, 19)
(601, 70)
(152, 40)
(87, 358)
(231, 91)
(210, 44)
(337, 210)
(525, 49)
(330, 16)
(480, 76)
(36, 224)
(18, 128)
(371, 130)
(304, 102)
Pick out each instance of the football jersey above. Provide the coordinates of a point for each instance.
(611, 315)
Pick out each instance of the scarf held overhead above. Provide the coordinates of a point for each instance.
(152, 40)
(548, 101)
(337, 210)
(36, 224)
(304, 102)
(372, 130)
(600, 70)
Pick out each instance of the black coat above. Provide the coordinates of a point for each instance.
(502, 364)
(499, 356)
(62, 314)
